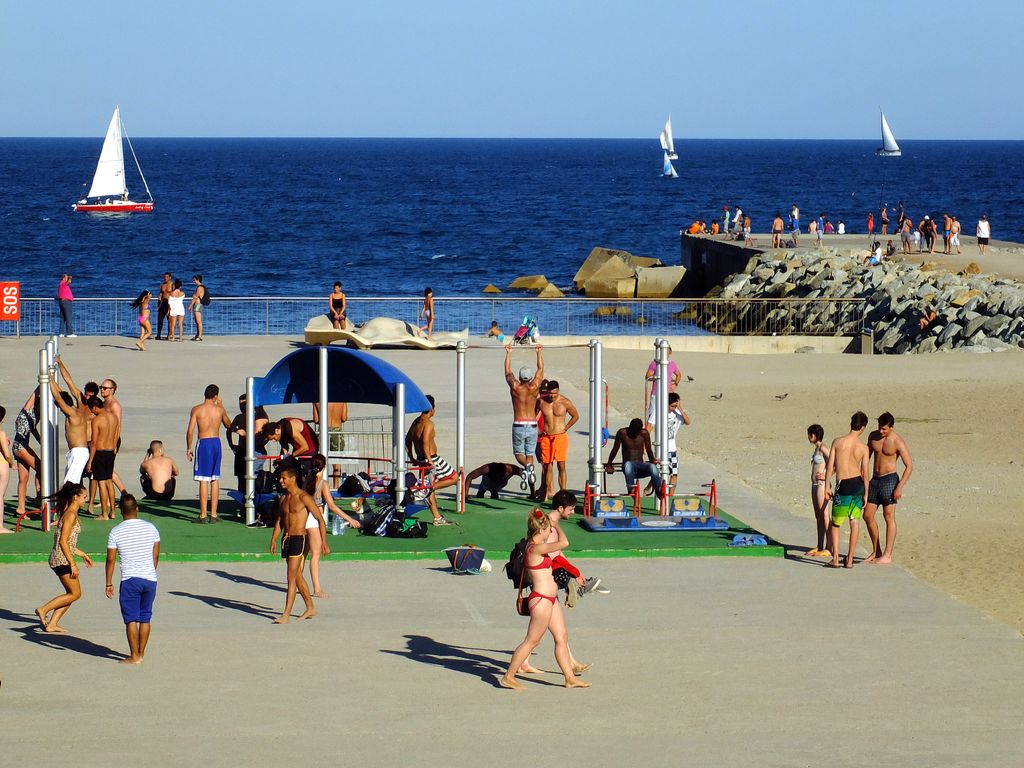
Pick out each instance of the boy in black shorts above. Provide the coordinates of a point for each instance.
(296, 506)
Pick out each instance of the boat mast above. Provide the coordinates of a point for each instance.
(136, 159)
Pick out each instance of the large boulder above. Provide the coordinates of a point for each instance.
(528, 283)
(658, 282)
(613, 279)
(597, 258)
(550, 291)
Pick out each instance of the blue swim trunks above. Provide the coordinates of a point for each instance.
(136, 599)
(207, 462)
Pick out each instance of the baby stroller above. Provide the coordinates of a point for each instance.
(527, 332)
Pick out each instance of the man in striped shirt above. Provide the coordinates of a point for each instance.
(137, 542)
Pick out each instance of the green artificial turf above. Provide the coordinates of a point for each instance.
(490, 524)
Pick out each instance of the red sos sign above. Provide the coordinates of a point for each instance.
(10, 301)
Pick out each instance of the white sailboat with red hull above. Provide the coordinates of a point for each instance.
(109, 191)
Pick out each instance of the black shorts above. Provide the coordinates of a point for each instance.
(881, 487)
(103, 466)
(61, 570)
(982, 241)
(167, 494)
(293, 546)
(851, 486)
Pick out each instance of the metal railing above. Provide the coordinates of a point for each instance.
(569, 316)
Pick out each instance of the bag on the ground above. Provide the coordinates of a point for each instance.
(206, 299)
(516, 564)
(380, 520)
(406, 529)
(355, 485)
(465, 559)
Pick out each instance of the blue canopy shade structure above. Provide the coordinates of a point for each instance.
(352, 377)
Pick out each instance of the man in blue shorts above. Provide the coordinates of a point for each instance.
(524, 391)
(207, 419)
(137, 543)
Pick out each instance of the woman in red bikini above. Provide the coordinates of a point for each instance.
(545, 611)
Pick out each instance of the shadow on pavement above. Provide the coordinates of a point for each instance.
(426, 650)
(67, 643)
(233, 605)
(248, 580)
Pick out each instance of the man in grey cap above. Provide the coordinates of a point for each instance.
(524, 392)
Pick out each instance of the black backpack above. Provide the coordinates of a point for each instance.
(205, 301)
(516, 563)
(381, 520)
(406, 529)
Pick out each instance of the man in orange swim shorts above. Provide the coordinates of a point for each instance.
(554, 443)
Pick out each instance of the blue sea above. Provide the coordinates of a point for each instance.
(287, 217)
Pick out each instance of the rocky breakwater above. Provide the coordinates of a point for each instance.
(972, 311)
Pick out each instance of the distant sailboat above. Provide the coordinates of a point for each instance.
(667, 169)
(109, 193)
(889, 146)
(666, 140)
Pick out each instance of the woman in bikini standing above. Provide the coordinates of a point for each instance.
(7, 463)
(819, 458)
(545, 611)
(67, 501)
(145, 329)
(338, 307)
(427, 313)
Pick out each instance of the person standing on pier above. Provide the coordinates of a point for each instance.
(163, 308)
(65, 300)
(794, 224)
(983, 233)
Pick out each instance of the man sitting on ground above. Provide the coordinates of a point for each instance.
(158, 473)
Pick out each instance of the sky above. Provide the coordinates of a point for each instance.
(523, 69)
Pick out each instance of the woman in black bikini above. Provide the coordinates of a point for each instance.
(545, 611)
(68, 501)
(338, 307)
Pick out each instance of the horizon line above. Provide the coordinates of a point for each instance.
(513, 138)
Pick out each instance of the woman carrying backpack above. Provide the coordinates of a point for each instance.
(545, 611)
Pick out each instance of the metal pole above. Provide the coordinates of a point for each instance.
(460, 421)
(398, 441)
(250, 452)
(52, 420)
(597, 423)
(592, 437)
(45, 436)
(324, 437)
(661, 407)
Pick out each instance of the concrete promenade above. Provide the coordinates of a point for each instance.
(728, 661)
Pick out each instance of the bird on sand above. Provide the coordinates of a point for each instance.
(782, 397)
(717, 397)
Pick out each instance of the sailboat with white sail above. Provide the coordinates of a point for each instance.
(109, 191)
(889, 146)
(669, 153)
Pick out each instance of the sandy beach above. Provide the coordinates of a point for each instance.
(959, 525)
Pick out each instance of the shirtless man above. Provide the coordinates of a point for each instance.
(294, 510)
(635, 443)
(158, 473)
(76, 432)
(102, 450)
(421, 447)
(493, 477)
(886, 487)
(848, 460)
(90, 391)
(163, 306)
(524, 391)
(108, 391)
(207, 418)
(554, 443)
(337, 415)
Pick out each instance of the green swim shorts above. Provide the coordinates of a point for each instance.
(336, 440)
(846, 507)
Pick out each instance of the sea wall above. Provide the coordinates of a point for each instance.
(973, 312)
